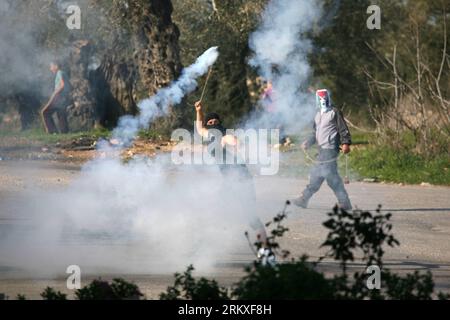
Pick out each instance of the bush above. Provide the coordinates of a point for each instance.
(349, 235)
(292, 281)
(51, 294)
(387, 164)
(119, 289)
(187, 288)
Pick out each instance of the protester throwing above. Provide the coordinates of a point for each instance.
(238, 181)
(330, 132)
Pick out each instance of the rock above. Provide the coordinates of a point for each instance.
(371, 180)
(425, 184)
(10, 117)
(114, 142)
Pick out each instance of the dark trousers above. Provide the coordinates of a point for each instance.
(59, 107)
(326, 169)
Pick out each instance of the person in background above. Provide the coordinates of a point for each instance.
(58, 102)
(330, 133)
(269, 105)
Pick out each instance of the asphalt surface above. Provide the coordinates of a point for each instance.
(421, 220)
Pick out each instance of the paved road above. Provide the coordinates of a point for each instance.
(421, 218)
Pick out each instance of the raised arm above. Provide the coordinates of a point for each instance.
(199, 120)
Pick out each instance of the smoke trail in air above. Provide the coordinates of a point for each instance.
(280, 54)
(150, 215)
(159, 104)
(142, 216)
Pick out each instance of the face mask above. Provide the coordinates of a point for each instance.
(323, 101)
(213, 130)
(218, 127)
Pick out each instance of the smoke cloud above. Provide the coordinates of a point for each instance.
(159, 104)
(144, 216)
(149, 215)
(280, 54)
(21, 57)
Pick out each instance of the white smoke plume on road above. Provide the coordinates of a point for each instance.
(280, 53)
(149, 215)
(143, 216)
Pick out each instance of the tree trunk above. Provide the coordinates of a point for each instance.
(82, 114)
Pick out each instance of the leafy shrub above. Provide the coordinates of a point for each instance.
(188, 288)
(51, 294)
(349, 234)
(119, 289)
(292, 281)
(387, 164)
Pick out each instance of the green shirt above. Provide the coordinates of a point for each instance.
(60, 76)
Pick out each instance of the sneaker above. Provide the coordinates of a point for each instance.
(266, 257)
(301, 202)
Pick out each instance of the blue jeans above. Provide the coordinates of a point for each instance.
(326, 169)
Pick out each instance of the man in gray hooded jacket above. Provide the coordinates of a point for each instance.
(330, 133)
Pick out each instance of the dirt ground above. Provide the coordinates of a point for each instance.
(421, 218)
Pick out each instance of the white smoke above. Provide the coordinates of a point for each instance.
(280, 54)
(144, 216)
(159, 104)
(149, 215)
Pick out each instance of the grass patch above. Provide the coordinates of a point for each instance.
(359, 137)
(39, 136)
(153, 135)
(391, 165)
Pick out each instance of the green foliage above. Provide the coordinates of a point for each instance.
(154, 135)
(349, 235)
(290, 281)
(39, 136)
(21, 297)
(51, 294)
(119, 289)
(344, 46)
(228, 27)
(186, 287)
(341, 52)
(414, 286)
(388, 164)
(359, 230)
